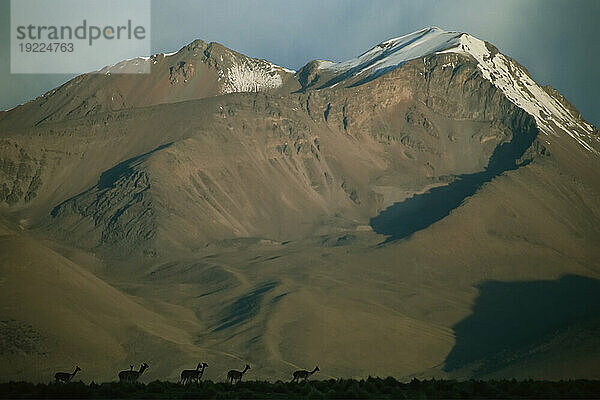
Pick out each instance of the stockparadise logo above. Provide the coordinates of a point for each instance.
(78, 36)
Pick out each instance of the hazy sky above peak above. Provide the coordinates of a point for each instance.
(555, 39)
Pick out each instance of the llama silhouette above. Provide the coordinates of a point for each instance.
(234, 375)
(131, 375)
(193, 375)
(303, 374)
(65, 376)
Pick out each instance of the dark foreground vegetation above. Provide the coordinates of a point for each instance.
(371, 388)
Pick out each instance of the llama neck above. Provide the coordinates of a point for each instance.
(74, 372)
(245, 369)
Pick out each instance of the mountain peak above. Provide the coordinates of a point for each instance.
(394, 52)
(503, 72)
(430, 30)
(391, 54)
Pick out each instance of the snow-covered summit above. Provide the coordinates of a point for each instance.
(394, 52)
(517, 85)
(508, 76)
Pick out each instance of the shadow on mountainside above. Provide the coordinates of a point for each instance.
(245, 307)
(511, 320)
(404, 218)
(109, 177)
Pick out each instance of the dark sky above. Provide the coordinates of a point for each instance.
(555, 39)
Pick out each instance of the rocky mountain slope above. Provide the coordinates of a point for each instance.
(362, 210)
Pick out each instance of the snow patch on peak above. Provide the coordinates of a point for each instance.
(324, 63)
(136, 65)
(250, 75)
(279, 68)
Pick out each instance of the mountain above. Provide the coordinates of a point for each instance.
(196, 71)
(416, 211)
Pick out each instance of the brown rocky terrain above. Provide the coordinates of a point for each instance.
(227, 210)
